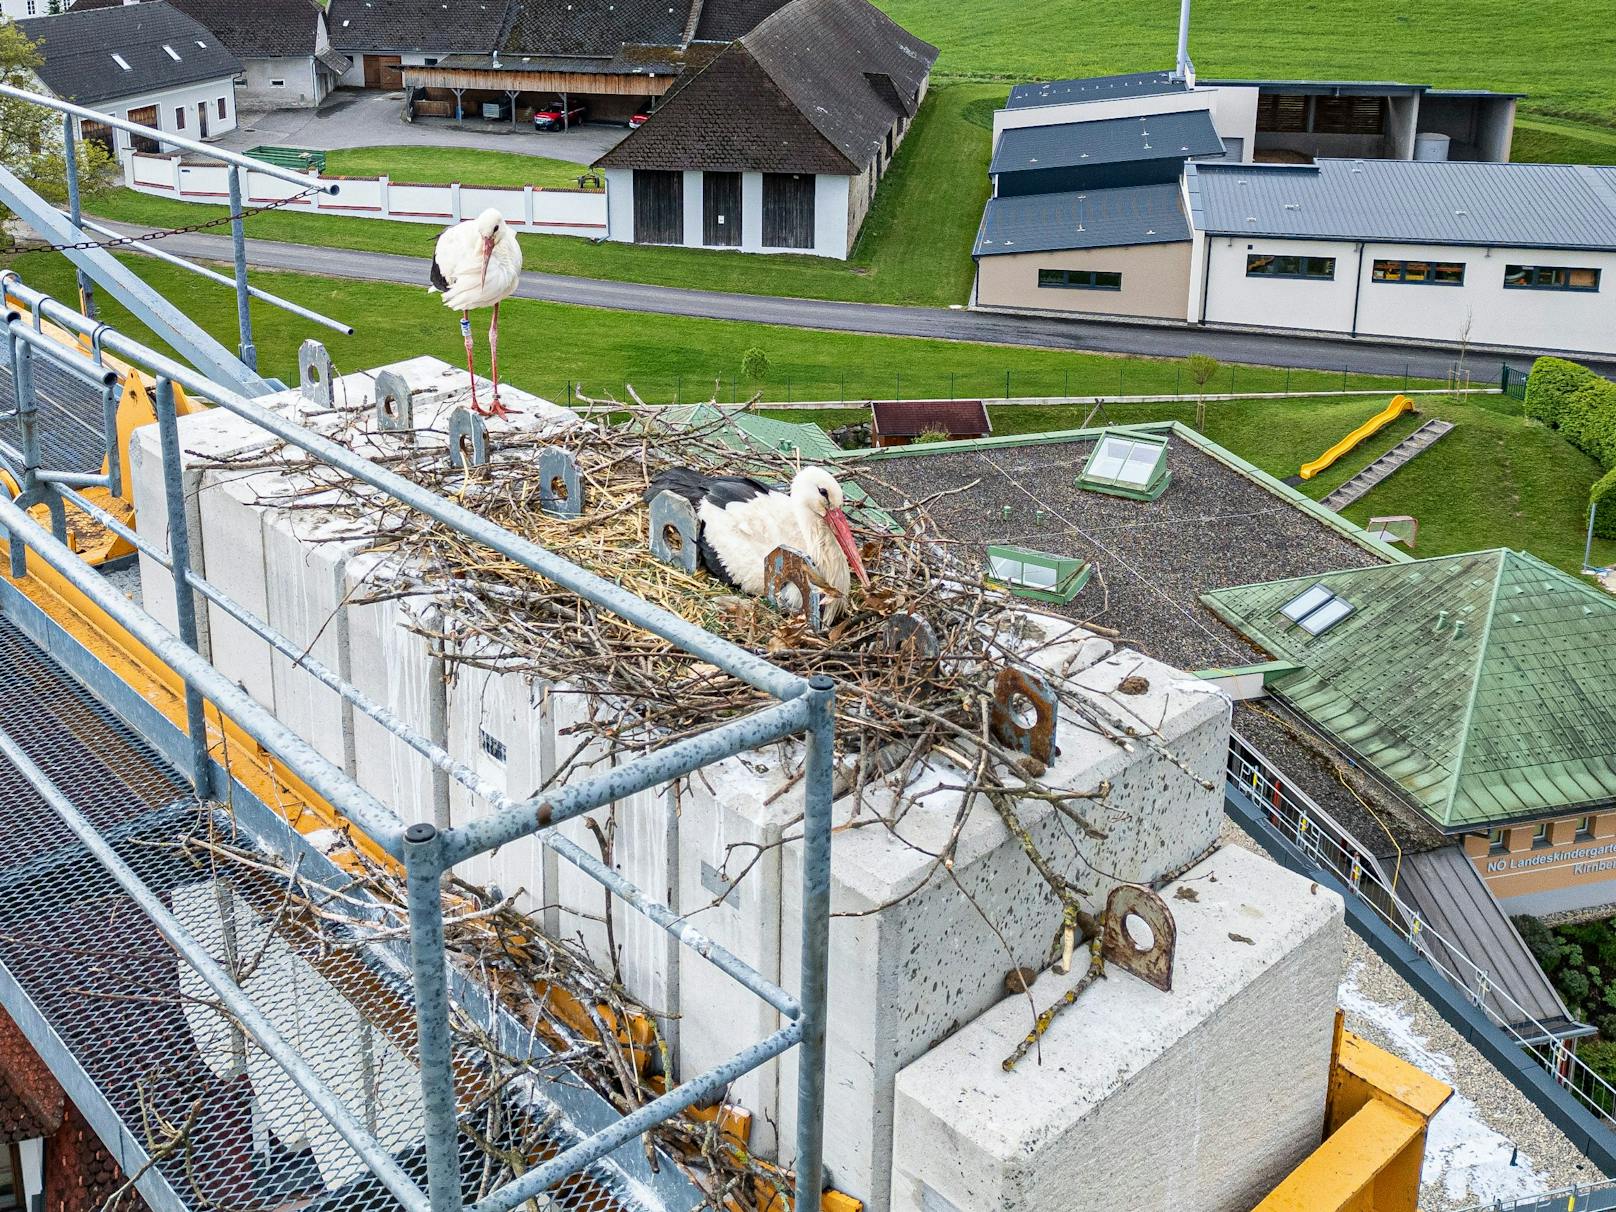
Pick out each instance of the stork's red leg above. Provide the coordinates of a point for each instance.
(496, 409)
(471, 369)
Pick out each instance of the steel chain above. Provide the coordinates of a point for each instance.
(153, 236)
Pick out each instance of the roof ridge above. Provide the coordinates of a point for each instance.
(1467, 716)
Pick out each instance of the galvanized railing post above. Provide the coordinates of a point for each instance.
(29, 490)
(816, 834)
(423, 864)
(238, 237)
(74, 212)
(179, 559)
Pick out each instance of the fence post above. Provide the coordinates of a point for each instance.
(1405, 377)
(238, 238)
(1007, 383)
(1121, 370)
(1178, 382)
(900, 385)
(179, 560)
(678, 387)
(1343, 380)
(844, 385)
(1287, 380)
(951, 386)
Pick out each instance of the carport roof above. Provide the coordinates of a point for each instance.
(1094, 88)
(1174, 136)
(1093, 218)
(1570, 206)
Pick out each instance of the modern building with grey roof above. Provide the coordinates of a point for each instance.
(1514, 256)
(150, 63)
(1095, 88)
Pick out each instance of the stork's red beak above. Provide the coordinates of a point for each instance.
(843, 530)
(488, 255)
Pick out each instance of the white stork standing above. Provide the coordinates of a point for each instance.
(742, 520)
(477, 264)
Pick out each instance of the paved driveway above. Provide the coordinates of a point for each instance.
(363, 118)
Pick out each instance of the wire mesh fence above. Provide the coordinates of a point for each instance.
(1087, 377)
(217, 1120)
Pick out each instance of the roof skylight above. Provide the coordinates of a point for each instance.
(1128, 464)
(121, 61)
(1316, 609)
(172, 53)
(1037, 574)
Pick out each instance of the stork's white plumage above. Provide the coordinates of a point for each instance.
(743, 520)
(478, 264)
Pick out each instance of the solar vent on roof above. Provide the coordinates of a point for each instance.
(1316, 609)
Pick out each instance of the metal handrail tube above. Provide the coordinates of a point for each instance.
(698, 642)
(1415, 935)
(301, 658)
(818, 776)
(675, 924)
(191, 950)
(85, 369)
(374, 819)
(648, 770)
(680, 1098)
(172, 140)
(263, 296)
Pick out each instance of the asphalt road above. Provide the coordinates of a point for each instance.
(1162, 341)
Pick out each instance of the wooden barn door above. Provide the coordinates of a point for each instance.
(659, 207)
(383, 71)
(721, 209)
(788, 210)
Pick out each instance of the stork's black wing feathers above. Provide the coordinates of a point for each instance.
(722, 491)
(439, 282)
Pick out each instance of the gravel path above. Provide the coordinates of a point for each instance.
(1473, 1139)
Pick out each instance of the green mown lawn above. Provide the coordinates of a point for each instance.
(546, 346)
(1496, 480)
(914, 247)
(445, 165)
(1496, 44)
(1552, 141)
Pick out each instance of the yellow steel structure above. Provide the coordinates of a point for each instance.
(1375, 1116)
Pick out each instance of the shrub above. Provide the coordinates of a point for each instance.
(1588, 420)
(1551, 381)
(1600, 1057)
(1603, 498)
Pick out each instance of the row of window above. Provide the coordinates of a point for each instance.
(180, 111)
(1079, 279)
(1498, 839)
(1428, 273)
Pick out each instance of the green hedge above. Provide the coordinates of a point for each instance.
(1604, 500)
(1582, 406)
(1549, 385)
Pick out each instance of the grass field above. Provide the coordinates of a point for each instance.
(914, 247)
(445, 165)
(1556, 141)
(546, 346)
(1472, 43)
(1496, 480)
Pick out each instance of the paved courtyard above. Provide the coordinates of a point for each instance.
(361, 118)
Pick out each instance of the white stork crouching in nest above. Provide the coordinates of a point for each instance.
(742, 520)
(478, 264)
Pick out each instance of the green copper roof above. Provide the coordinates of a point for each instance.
(1483, 684)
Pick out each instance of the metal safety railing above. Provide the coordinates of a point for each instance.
(1579, 1197)
(69, 232)
(803, 708)
(1305, 827)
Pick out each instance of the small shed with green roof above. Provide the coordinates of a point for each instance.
(1481, 685)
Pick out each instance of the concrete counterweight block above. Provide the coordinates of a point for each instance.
(1201, 1098)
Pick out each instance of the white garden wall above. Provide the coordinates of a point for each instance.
(560, 212)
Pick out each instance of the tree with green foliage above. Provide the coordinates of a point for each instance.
(31, 136)
(755, 365)
(1201, 367)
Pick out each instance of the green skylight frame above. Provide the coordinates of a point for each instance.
(1126, 463)
(1037, 575)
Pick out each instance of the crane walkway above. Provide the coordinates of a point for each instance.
(1397, 457)
(174, 1088)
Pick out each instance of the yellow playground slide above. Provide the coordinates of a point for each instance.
(1376, 423)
